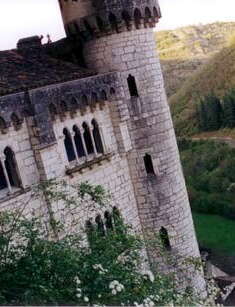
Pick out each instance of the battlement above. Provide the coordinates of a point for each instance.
(93, 18)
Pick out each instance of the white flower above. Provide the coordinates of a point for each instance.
(78, 295)
(149, 274)
(99, 295)
(99, 268)
(113, 284)
(86, 299)
(114, 292)
(77, 280)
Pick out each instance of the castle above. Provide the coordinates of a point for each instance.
(92, 107)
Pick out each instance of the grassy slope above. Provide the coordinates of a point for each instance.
(184, 50)
(217, 76)
(215, 232)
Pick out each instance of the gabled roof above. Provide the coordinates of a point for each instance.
(31, 67)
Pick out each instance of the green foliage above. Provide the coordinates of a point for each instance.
(209, 169)
(215, 76)
(106, 268)
(229, 109)
(210, 113)
(215, 232)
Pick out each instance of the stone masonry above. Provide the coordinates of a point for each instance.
(121, 90)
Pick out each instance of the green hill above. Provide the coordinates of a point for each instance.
(184, 50)
(217, 76)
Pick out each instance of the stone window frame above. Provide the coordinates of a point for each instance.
(10, 187)
(88, 155)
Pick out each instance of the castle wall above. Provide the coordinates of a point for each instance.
(19, 198)
(112, 174)
(37, 163)
(162, 197)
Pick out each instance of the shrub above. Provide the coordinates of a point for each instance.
(39, 268)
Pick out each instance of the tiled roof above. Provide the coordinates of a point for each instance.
(26, 68)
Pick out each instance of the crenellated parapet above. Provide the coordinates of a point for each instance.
(94, 18)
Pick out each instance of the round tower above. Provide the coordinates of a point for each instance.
(118, 36)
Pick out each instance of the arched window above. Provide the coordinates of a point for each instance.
(137, 18)
(87, 139)
(148, 164)
(78, 142)
(113, 22)
(69, 146)
(15, 121)
(3, 182)
(108, 220)
(100, 225)
(132, 86)
(165, 238)
(97, 137)
(11, 168)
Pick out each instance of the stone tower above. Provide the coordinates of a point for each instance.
(117, 35)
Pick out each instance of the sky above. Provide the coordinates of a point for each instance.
(23, 18)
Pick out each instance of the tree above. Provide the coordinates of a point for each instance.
(105, 266)
(229, 109)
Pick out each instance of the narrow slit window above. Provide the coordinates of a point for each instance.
(11, 168)
(87, 139)
(165, 238)
(69, 146)
(78, 142)
(132, 86)
(97, 137)
(149, 164)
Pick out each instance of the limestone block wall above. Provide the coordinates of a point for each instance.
(19, 142)
(161, 196)
(113, 173)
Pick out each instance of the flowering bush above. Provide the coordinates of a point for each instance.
(109, 270)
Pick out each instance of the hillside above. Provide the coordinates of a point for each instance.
(217, 76)
(184, 50)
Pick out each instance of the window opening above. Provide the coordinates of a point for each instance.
(97, 137)
(87, 139)
(11, 168)
(148, 164)
(132, 86)
(69, 146)
(78, 142)
(165, 238)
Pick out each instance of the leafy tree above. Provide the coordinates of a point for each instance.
(229, 109)
(68, 269)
